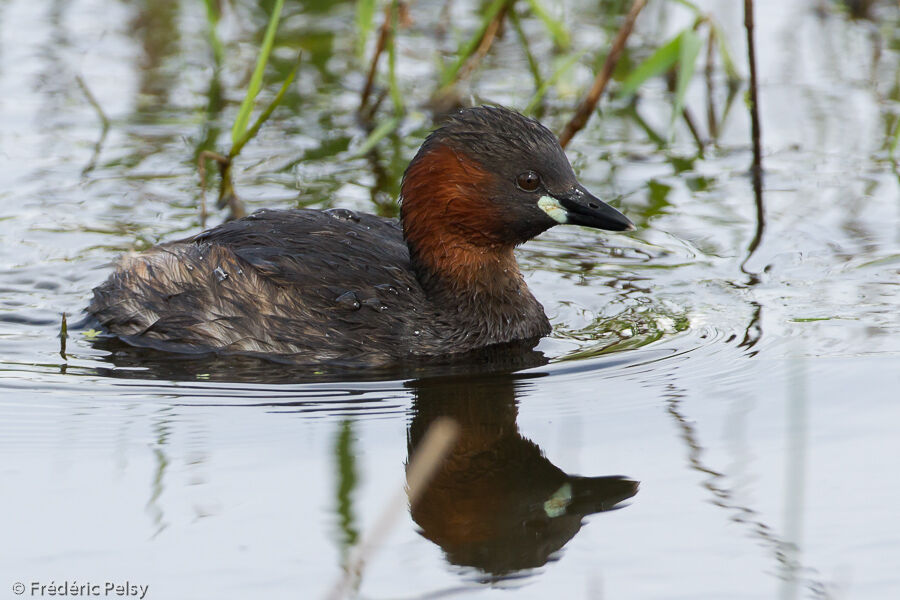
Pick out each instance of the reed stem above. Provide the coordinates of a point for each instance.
(587, 106)
(754, 96)
(756, 169)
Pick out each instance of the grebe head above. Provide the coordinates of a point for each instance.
(492, 178)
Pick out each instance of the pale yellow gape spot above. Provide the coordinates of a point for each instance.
(552, 207)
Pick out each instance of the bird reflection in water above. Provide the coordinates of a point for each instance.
(496, 503)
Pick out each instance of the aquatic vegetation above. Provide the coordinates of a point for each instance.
(632, 328)
(676, 59)
(240, 132)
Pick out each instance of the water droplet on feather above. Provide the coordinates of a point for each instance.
(387, 288)
(375, 304)
(348, 300)
(343, 214)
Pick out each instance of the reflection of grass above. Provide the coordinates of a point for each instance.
(345, 455)
(817, 319)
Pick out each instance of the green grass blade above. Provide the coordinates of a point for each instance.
(729, 102)
(365, 23)
(212, 18)
(557, 30)
(393, 87)
(467, 49)
(688, 51)
(658, 63)
(529, 56)
(384, 129)
(690, 5)
(727, 61)
(564, 66)
(264, 116)
(654, 137)
(894, 141)
(243, 117)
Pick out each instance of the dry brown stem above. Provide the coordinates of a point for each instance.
(484, 45)
(587, 106)
(380, 44)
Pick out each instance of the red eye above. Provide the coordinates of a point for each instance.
(529, 181)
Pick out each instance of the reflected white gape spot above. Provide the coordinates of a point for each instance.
(552, 207)
(559, 501)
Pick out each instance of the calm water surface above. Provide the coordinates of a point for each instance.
(746, 373)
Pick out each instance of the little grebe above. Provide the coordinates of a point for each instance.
(350, 288)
